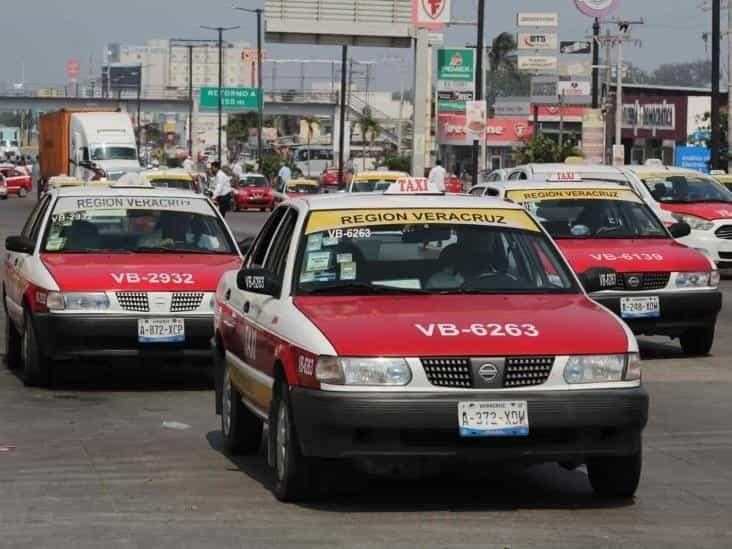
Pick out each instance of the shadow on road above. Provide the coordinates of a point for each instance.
(340, 487)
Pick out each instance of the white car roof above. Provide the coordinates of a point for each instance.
(640, 170)
(576, 168)
(541, 185)
(352, 201)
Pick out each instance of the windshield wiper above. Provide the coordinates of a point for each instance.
(162, 249)
(363, 288)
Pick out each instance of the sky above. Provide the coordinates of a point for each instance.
(41, 35)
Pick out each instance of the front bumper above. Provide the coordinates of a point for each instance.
(88, 335)
(563, 425)
(717, 249)
(245, 202)
(679, 311)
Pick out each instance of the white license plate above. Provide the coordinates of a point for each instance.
(161, 330)
(493, 418)
(640, 307)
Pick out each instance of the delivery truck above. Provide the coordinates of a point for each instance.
(9, 143)
(88, 144)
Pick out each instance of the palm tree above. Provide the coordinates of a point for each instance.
(369, 128)
(500, 57)
(310, 122)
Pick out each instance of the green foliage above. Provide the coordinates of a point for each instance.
(544, 149)
(397, 163)
(272, 164)
(240, 124)
(504, 79)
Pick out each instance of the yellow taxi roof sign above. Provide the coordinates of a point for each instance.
(411, 186)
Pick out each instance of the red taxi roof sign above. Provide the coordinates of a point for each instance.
(412, 185)
(565, 177)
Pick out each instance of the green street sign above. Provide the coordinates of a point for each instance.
(456, 64)
(232, 99)
(451, 106)
(449, 101)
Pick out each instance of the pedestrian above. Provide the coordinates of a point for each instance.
(437, 176)
(237, 171)
(36, 176)
(285, 174)
(222, 193)
(188, 164)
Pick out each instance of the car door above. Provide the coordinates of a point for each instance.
(18, 266)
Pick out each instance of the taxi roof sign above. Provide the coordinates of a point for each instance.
(412, 185)
(565, 177)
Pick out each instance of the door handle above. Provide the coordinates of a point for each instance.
(245, 308)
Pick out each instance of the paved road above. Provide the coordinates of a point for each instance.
(91, 466)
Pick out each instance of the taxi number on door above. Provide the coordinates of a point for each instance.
(154, 278)
(480, 330)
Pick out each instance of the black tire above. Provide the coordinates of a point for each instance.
(241, 429)
(697, 341)
(36, 367)
(616, 476)
(22, 193)
(13, 345)
(4, 197)
(292, 471)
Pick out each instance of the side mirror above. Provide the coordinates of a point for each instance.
(245, 244)
(20, 245)
(680, 229)
(598, 279)
(258, 281)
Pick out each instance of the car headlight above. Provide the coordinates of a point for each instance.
(77, 301)
(363, 371)
(695, 280)
(601, 368)
(696, 223)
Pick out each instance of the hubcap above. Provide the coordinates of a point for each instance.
(282, 434)
(226, 405)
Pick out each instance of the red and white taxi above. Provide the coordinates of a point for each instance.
(119, 271)
(3, 187)
(253, 192)
(391, 327)
(696, 199)
(663, 287)
(18, 181)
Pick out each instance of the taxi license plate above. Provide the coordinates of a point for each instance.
(640, 307)
(161, 330)
(493, 418)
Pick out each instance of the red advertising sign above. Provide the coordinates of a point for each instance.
(73, 68)
(452, 130)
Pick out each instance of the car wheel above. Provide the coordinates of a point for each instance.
(4, 197)
(13, 345)
(615, 476)
(36, 367)
(22, 193)
(242, 430)
(292, 470)
(698, 341)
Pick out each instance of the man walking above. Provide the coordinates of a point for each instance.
(222, 193)
(437, 177)
(285, 174)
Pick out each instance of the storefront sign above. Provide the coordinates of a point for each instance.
(575, 47)
(652, 116)
(452, 130)
(544, 89)
(456, 64)
(693, 158)
(618, 155)
(476, 114)
(537, 41)
(453, 101)
(593, 136)
(538, 19)
(537, 63)
(575, 88)
(511, 108)
(431, 14)
(552, 113)
(575, 70)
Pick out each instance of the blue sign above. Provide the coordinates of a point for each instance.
(693, 158)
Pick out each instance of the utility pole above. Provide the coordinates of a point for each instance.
(716, 126)
(220, 31)
(595, 63)
(561, 123)
(139, 105)
(342, 117)
(190, 100)
(729, 78)
(478, 82)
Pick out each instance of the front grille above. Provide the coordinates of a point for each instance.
(136, 302)
(527, 371)
(724, 232)
(648, 281)
(448, 372)
(186, 302)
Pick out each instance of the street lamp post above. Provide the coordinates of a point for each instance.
(260, 83)
(220, 31)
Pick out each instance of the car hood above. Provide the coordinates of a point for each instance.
(138, 272)
(632, 255)
(706, 210)
(420, 326)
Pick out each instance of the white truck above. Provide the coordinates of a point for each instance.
(9, 143)
(87, 144)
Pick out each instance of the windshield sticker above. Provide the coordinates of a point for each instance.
(522, 196)
(315, 242)
(325, 276)
(348, 271)
(307, 277)
(338, 222)
(407, 283)
(330, 241)
(344, 258)
(318, 261)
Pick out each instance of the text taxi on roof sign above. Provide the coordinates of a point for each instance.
(366, 326)
(116, 270)
(663, 287)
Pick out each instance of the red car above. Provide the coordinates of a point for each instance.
(253, 191)
(18, 181)
(453, 184)
(329, 179)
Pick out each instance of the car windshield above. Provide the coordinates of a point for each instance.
(370, 185)
(135, 225)
(474, 256)
(687, 189)
(254, 181)
(302, 188)
(106, 152)
(182, 184)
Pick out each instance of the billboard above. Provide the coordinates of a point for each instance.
(538, 19)
(693, 158)
(431, 13)
(121, 77)
(383, 23)
(452, 130)
(456, 64)
(537, 41)
(575, 88)
(537, 63)
(575, 47)
(597, 8)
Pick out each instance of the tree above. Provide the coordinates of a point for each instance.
(310, 123)
(369, 128)
(504, 79)
(397, 163)
(542, 149)
(703, 138)
(240, 124)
